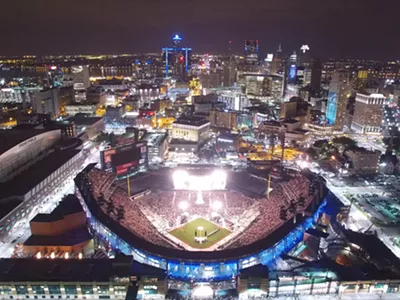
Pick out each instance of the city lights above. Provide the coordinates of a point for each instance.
(195, 175)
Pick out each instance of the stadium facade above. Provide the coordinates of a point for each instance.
(33, 164)
(198, 265)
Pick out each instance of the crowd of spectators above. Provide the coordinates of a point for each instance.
(284, 196)
(152, 216)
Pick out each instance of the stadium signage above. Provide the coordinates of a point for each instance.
(23, 144)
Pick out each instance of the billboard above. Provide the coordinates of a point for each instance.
(105, 159)
(124, 159)
(129, 158)
(331, 108)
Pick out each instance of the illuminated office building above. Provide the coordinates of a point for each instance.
(368, 112)
(339, 90)
(177, 59)
(80, 77)
(47, 102)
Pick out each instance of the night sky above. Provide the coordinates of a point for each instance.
(339, 28)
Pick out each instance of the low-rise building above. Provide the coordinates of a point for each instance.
(234, 100)
(224, 119)
(194, 129)
(115, 112)
(113, 84)
(96, 95)
(290, 129)
(78, 108)
(94, 278)
(363, 160)
(61, 231)
(90, 126)
(160, 104)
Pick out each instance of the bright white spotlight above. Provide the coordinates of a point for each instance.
(202, 291)
(183, 205)
(219, 179)
(216, 205)
(303, 164)
(199, 183)
(179, 178)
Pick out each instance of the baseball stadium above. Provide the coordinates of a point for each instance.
(201, 222)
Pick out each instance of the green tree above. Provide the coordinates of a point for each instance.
(321, 143)
(344, 142)
(312, 153)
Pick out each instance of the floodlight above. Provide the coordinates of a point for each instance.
(183, 205)
(216, 205)
(203, 291)
(179, 177)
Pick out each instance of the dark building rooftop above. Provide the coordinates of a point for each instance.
(68, 206)
(290, 121)
(192, 120)
(7, 205)
(31, 177)
(11, 138)
(80, 120)
(71, 270)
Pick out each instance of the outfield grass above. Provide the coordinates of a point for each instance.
(185, 233)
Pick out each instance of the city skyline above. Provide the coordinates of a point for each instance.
(186, 150)
(361, 29)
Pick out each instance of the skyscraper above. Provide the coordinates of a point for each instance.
(339, 90)
(177, 59)
(251, 51)
(229, 71)
(276, 65)
(80, 76)
(316, 74)
(47, 102)
(368, 112)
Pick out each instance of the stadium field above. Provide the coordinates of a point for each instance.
(186, 233)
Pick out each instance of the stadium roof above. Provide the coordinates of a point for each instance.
(11, 138)
(80, 120)
(31, 177)
(71, 270)
(147, 270)
(258, 271)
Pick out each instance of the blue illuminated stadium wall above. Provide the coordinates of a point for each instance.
(332, 108)
(202, 270)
